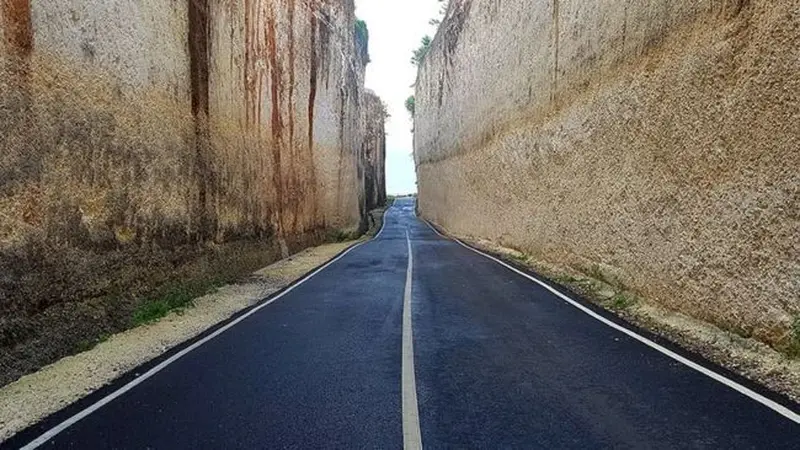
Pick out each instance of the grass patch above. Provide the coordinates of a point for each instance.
(150, 312)
(176, 297)
(621, 302)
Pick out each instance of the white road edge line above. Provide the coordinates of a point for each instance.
(778, 408)
(412, 437)
(44, 438)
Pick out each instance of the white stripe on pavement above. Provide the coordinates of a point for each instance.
(412, 437)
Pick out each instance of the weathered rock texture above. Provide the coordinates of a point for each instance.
(149, 141)
(375, 151)
(656, 142)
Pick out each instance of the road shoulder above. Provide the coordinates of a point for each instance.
(35, 396)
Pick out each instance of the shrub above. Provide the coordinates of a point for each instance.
(419, 53)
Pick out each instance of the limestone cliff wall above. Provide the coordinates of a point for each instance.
(657, 142)
(284, 94)
(159, 140)
(375, 151)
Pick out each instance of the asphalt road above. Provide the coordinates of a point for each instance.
(498, 361)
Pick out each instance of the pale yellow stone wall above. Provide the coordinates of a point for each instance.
(657, 142)
(139, 137)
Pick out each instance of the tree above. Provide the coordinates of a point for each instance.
(362, 40)
(411, 103)
(419, 53)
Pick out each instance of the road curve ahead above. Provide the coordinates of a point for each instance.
(443, 349)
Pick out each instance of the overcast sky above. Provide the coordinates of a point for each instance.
(395, 30)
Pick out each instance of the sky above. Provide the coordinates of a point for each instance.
(395, 30)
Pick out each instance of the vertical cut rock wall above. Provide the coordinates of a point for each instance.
(375, 152)
(657, 142)
(156, 140)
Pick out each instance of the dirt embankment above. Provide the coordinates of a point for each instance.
(151, 143)
(655, 143)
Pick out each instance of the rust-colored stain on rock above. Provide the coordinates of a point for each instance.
(16, 17)
(179, 139)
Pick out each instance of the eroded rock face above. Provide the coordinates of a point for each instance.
(140, 136)
(286, 79)
(375, 152)
(655, 140)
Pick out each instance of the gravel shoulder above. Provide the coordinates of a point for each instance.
(37, 395)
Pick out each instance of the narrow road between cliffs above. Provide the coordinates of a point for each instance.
(414, 340)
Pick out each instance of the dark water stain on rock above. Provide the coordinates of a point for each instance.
(312, 92)
(312, 99)
(296, 193)
(198, 55)
(291, 72)
(199, 69)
